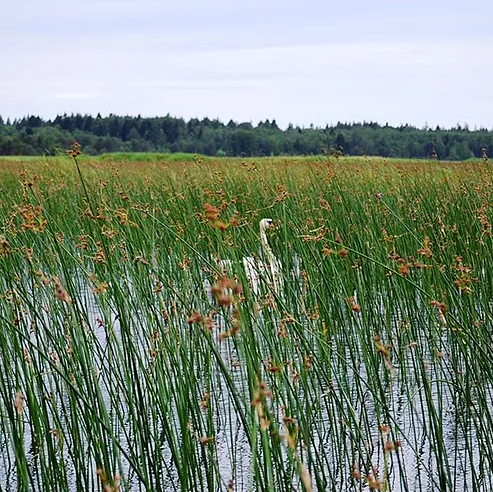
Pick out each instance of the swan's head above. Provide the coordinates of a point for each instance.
(266, 224)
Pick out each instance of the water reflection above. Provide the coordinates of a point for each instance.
(347, 404)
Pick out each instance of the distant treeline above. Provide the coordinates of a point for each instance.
(32, 135)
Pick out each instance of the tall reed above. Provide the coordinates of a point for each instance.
(137, 355)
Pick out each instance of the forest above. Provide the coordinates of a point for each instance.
(32, 135)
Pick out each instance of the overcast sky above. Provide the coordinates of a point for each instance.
(304, 61)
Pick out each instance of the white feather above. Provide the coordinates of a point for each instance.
(258, 271)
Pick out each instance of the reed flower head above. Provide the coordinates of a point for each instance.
(60, 292)
(19, 402)
(195, 318)
(75, 150)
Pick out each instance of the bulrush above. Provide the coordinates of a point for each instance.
(60, 292)
(195, 318)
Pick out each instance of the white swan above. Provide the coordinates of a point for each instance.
(258, 271)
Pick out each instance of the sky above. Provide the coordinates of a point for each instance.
(420, 62)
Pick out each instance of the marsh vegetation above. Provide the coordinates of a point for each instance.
(134, 357)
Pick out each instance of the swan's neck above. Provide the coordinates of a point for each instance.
(265, 245)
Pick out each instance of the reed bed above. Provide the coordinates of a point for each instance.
(134, 357)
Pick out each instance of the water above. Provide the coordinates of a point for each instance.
(346, 405)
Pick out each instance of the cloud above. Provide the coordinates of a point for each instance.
(308, 63)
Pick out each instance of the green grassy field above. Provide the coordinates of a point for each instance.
(132, 358)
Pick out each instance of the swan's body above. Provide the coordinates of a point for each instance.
(258, 271)
(266, 270)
